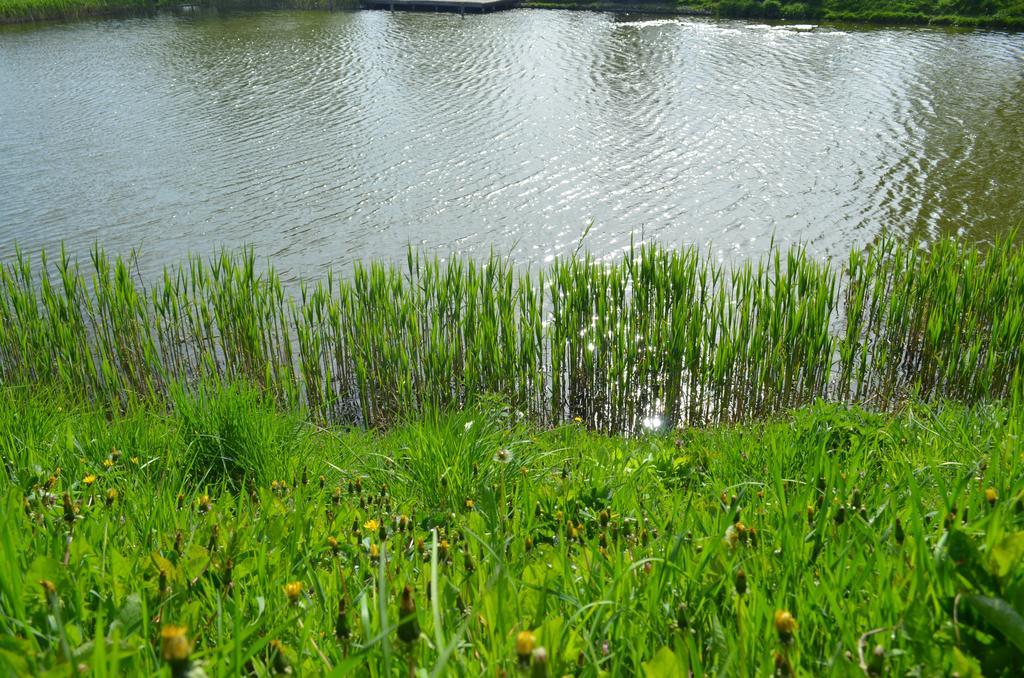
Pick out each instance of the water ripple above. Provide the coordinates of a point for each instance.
(320, 138)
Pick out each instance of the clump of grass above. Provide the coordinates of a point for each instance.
(833, 541)
(233, 434)
(669, 335)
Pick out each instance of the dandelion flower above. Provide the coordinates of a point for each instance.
(204, 504)
(174, 645)
(89, 479)
(108, 463)
(785, 625)
(526, 642)
(371, 525)
(991, 496)
(470, 504)
(293, 590)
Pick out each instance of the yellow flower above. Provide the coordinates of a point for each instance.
(89, 479)
(135, 460)
(525, 642)
(470, 504)
(371, 525)
(293, 590)
(48, 586)
(107, 463)
(174, 645)
(111, 496)
(785, 625)
(374, 552)
(991, 495)
(204, 504)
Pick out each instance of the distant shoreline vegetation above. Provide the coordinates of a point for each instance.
(1006, 14)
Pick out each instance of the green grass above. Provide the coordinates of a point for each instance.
(621, 555)
(967, 13)
(17, 11)
(669, 334)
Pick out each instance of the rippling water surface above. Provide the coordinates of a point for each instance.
(321, 138)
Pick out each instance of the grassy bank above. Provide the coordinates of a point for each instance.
(25, 11)
(895, 541)
(669, 334)
(977, 13)
(967, 13)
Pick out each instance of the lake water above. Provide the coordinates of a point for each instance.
(321, 138)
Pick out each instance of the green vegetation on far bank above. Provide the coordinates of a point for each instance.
(24, 11)
(226, 536)
(966, 13)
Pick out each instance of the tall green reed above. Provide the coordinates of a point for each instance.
(662, 333)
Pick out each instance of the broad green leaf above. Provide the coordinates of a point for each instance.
(1007, 554)
(665, 664)
(1004, 618)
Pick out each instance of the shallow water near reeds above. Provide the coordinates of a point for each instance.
(323, 138)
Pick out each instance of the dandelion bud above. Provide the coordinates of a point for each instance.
(442, 550)
(341, 628)
(467, 561)
(374, 553)
(359, 486)
(840, 514)
(682, 621)
(783, 667)
(323, 482)
(528, 544)
(526, 642)
(214, 534)
(604, 517)
(111, 496)
(741, 582)
(229, 568)
(278, 658)
(382, 531)
(178, 538)
(876, 665)
(48, 587)
(898, 532)
(204, 503)
(69, 509)
(408, 625)
(162, 583)
(810, 515)
(540, 663)
(785, 625)
(991, 496)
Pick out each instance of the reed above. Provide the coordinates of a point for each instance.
(661, 334)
